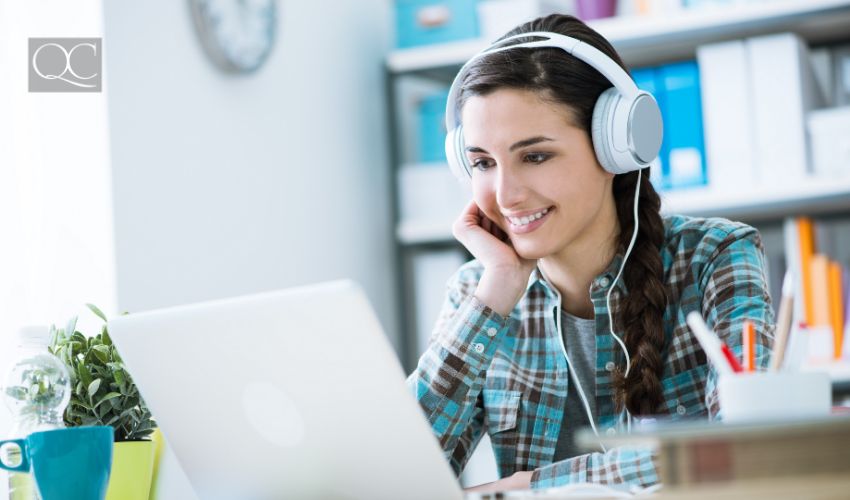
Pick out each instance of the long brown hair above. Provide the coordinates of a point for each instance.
(563, 79)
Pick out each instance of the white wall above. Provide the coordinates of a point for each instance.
(56, 227)
(56, 251)
(227, 185)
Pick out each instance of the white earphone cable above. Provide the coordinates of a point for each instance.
(579, 388)
(608, 298)
(578, 385)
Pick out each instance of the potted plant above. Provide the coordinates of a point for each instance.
(103, 393)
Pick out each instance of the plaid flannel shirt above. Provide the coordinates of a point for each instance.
(508, 376)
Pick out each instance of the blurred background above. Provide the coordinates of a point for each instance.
(243, 146)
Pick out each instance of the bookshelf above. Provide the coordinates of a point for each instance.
(764, 202)
(641, 40)
(658, 38)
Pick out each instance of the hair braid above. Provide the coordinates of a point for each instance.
(639, 319)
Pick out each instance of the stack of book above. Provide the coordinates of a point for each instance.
(699, 452)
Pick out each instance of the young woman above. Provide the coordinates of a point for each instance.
(568, 316)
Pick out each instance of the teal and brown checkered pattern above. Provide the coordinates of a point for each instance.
(508, 376)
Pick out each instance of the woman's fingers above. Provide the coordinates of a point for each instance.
(499, 233)
(483, 238)
(508, 272)
(486, 223)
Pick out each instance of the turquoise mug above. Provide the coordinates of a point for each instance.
(67, 464)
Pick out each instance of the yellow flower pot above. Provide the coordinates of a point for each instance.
(132, 470)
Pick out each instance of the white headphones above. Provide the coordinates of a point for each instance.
(626, 125)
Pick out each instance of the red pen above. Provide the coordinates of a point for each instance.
(730, 357)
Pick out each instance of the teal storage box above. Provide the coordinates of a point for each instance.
(423, 22)
(431, 121)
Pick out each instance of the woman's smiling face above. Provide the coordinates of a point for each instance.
(535, 173)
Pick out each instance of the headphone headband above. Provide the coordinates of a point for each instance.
(626, 124)
(587, 53)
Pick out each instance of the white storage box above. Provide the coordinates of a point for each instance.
(774, 396)
(829, 131)
(430, 199)
(497, 17)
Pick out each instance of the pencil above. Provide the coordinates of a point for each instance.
(783, 322)
(749, 347)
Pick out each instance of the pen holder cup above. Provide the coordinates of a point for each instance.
(774, 396)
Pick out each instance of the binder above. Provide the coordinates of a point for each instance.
(841, 75)
(726, 101)
(805, 231)
(784, 90)
(845, 347)
(683, 133)
(819, 273)
(431, 272)
(822, 68)
(791, 235)
(836, 305)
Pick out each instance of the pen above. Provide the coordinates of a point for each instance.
(709, 342)
(749, 333)
(730, 357)
(783, 322)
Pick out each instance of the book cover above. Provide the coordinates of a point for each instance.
(683, 133)
(431, 271)
(727, 115)
(819, 276)
(836, 305)
(805, 231)
(784, 91)
(791, 235)
(841, 75)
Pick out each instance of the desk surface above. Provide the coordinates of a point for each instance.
(824, 487)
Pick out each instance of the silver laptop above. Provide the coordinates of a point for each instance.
(290, 394)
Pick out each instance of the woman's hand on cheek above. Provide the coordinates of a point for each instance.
(505, 272)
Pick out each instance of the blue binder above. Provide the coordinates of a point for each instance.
(681, 111)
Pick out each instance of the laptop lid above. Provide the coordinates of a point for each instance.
(289, 394)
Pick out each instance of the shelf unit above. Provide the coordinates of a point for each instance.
(645, 40)
(813, 196)
(657, 38)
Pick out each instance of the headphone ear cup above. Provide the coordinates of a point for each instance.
(454, 154)
(626, 133)
(601, 129)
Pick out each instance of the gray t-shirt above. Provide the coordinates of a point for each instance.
(580, 341)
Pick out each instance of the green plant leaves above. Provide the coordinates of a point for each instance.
(111, 395)
(93, 387)
(102, 353)
(85, 374)
(71, 327)
(103, 391)
(97, 311)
